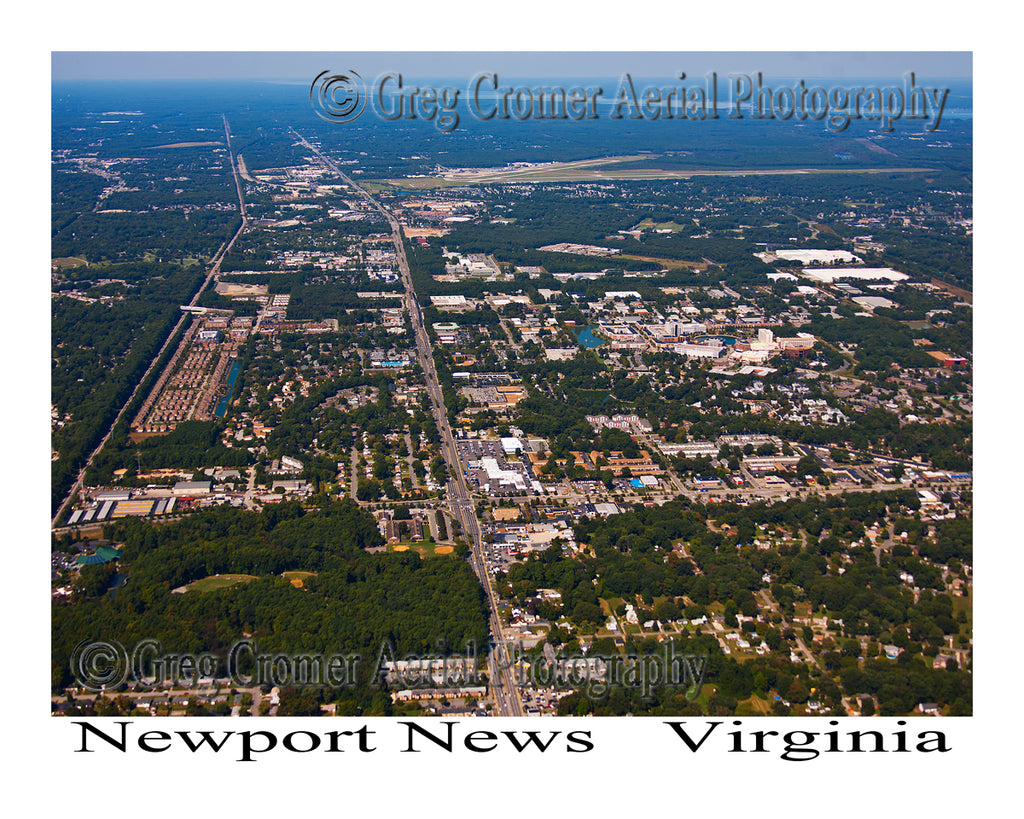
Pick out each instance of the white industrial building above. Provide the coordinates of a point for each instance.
(193, 487)
(498, 478)
(449, 302)
(808, 255)
(510, 445)
(698, 350)
(830, 274)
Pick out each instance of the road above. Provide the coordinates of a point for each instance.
(504, 690)
(185, 317)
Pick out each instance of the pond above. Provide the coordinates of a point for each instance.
(586, 337)
(705, 339)
(222, 407)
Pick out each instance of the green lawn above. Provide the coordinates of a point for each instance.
(297, 579)
(219, 581)
(754, 706)
(609, 605)
(65, 262)
(706, 693)
(424, 548)
(963, 604)
(647, 223)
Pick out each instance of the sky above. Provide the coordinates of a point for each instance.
(283, 65)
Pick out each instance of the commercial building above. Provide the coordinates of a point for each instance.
(510, 445)
(450, 302)
(830, 274)
(637, 466)
(136, 508)
(498, 478)
(182, 488)
(290, 486)
(693, 449)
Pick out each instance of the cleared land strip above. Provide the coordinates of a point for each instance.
(959, 292)
(573, 165)
(579, 173)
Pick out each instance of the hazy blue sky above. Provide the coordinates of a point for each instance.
(92, 65)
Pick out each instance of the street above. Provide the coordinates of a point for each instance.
(506, 695)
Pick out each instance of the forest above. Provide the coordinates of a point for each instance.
(94, 377)
(355, 603)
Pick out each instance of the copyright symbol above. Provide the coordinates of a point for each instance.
(338, 97)
(99, 664)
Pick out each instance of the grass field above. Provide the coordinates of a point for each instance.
(965, 604)
(673, 226)
(297, 579)
(219, 581)
(423, 548)
(65, 262)
(706, 693)
(755, 706)
(802, 609)
(137, 437)
(670, 264)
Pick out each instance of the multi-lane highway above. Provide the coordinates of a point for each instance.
(503, 687)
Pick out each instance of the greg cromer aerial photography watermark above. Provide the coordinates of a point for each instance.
(344, 97)
(106, 665)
